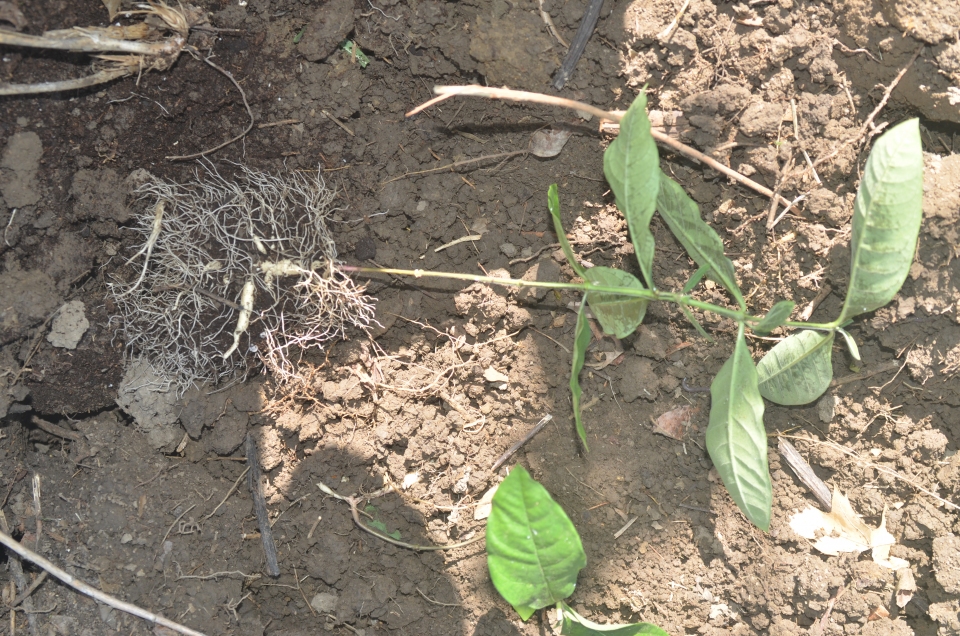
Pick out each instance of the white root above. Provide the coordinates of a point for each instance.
(180, 312)
(149, 245)
(243, 320)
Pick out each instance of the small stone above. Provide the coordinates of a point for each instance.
(827, 408)
(69, 325)
(324, 602)
(126, 538)
(509, 250)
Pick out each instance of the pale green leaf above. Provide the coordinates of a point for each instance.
(702, 243)
(581, 340)
(886, 220)
(851, 344)
(777, 315)
(798, 370)
(618, 315)
(736, 439)
(572, 624)
(553, 203)
(533, 551)
(632, 167)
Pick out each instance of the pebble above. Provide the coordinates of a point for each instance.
(509, 250)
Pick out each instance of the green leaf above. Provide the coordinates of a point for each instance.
(854, 350)
(533, 551)
(777, 315)
(632, 167)
(618, 315)
(736, 439)
(581, 340)
(572, 624)
(702, 243)
(798, 370)
(886, 220)
(553, 203)
(376, 524)
(698, 275)
(696, 323)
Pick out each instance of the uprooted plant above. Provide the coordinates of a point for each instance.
(885, 227)
(119, 51)
(233, 271)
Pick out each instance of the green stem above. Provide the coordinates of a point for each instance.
(683, 300)
(650, 294)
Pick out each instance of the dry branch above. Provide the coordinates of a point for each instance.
(13, 545)
(663, 138)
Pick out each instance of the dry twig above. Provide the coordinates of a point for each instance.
(354, 503)
(663, 138)
(13, 545)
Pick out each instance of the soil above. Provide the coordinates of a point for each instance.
(151, 516)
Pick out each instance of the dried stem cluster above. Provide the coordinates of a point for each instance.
(120, 51)
(234, 271)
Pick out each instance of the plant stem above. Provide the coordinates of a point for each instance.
(681, 299)
(649, 294)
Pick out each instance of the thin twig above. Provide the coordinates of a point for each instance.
(90, 591)
(20, 581)
(53, 429)
(219, 575)
(539, 98)
(545, 15)
(526, 438)
(260, 507)
(667, 32)
(229, 492)
(856, 377)
(196, 54)
(868, 123)
(167, 533)
(805, 473)
(30, 590)
(101, 77)
(353, 502)
(587, 24)
(457, 164)
(877, 467)
(430, 600)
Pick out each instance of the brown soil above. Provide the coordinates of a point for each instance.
(411, 397)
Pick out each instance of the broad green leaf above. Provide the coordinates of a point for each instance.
(798, 370)
(886, 220)
(553, 203)
(618, 315)
(581, 340)
(736, 439)
(777, 315)
(572, 624)
(702, 243)
(533, 551)
(632, 167)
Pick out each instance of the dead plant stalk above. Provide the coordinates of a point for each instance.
(446, 92)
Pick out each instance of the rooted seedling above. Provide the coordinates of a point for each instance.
(234, 272)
